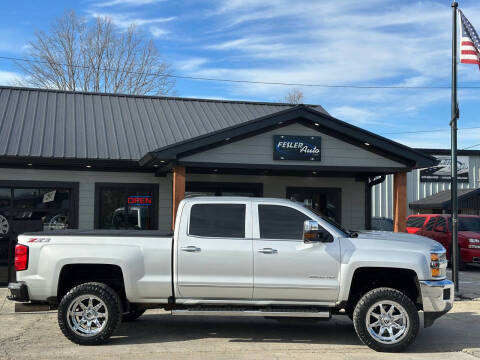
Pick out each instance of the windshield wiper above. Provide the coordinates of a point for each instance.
(352, 234)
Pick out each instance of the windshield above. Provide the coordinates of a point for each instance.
(329, 220)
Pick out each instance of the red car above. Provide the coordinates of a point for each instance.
(439, 228)
(415, 222)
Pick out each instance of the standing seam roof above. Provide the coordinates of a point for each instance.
(76, 125)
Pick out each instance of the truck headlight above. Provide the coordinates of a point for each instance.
(438, 264)
(474, 243)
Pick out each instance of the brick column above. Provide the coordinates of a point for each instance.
(178, 190)
(400, 202)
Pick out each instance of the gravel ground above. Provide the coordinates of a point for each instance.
(159, 335)
(469, 282)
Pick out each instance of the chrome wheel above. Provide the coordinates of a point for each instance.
(87, 315)
(387, 322)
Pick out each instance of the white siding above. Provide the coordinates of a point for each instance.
(87, 180)
(382, 194)
(259, 150)
(353, 192)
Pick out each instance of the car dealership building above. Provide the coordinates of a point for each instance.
(103, 161)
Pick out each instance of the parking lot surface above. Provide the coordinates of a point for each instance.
(157, 335)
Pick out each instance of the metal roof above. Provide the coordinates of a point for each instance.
(76, 125)
(317, 120)
(442, 199)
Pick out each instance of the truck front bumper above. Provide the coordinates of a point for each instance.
(437, 299)
(18, 292)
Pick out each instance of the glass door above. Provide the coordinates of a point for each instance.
(326, 201)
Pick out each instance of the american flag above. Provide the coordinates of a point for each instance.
(469, 43)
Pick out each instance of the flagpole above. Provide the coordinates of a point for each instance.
(453, 124)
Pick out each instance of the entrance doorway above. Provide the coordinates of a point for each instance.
(29, 206)
(326, 201)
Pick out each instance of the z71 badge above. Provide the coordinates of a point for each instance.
(39, 240)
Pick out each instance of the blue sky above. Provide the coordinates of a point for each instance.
(369, 42)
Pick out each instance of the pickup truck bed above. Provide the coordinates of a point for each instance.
(109, 233)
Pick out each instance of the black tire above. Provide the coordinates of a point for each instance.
(111, 305)
(370, 300)
(132, 315)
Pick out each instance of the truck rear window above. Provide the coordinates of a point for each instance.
(218, 220)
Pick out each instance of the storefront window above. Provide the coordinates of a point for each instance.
(34, 198)
(5, 197)
(28, 206)
(123, 206)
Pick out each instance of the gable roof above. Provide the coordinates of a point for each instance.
(77, 125)
(317, 120)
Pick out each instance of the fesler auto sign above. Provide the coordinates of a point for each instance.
(289, 147)
(442, 171)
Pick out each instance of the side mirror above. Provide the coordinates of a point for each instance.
(312, 232)
(439, 229)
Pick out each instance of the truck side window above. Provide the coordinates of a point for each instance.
(280, 222)
(441, 222)
(218, 220)
(430, 223)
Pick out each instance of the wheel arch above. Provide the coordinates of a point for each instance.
(71, 275)
(365, 279)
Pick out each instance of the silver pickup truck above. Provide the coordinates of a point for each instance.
(233, 256)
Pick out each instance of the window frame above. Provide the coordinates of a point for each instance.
(217, 237)
(99, 186)
(432, 218)
(256, 227)
(248, 218)
(441, 218)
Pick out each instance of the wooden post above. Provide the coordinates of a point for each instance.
(178, 190)
(400, 202)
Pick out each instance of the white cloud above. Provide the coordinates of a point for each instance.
(353, 114)
(190, 64)
(124, 20)
(158, 32)
(10, 78)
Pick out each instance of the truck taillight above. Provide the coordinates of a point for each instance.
(21, 257)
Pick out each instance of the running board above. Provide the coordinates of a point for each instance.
(260, 312)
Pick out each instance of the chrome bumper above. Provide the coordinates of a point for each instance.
(437, 299)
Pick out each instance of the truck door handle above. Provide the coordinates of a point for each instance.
(190, 249)
(267, 251)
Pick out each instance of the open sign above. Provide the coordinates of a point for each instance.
(140, 200)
